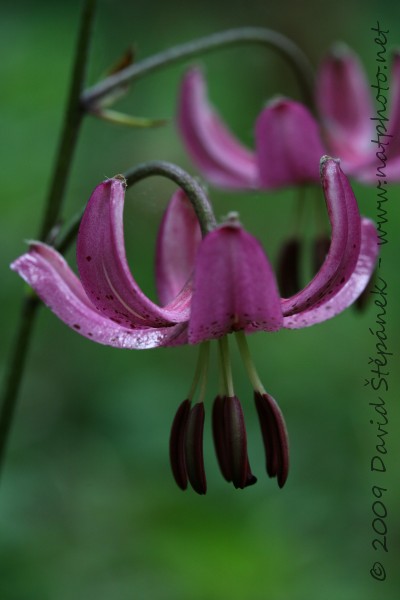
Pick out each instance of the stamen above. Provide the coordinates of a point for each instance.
(219, 436)
(275, 437)
(204, 354)
(194, 449)
(201, 368)
(186, 439)
(248, 362)
(236, 444)
(272, 423)
(177, 445)
(226, 369)
(230, 441)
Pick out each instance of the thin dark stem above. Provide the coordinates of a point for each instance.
(71, 126)
(191, 187)
(68, 140)
(13, 377)
(245, 35)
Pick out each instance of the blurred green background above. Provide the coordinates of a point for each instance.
(88, 507)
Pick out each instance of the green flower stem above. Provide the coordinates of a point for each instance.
(190, 186)
(248, 362)
(53, 205)
(232, 37)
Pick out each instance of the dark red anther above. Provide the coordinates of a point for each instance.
(177, 444)
(275, 437)
(194, 449)
(236, 443)
(230, 441)
(288, 269)
(219, 435)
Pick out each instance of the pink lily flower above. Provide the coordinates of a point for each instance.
(284, 126)
(209, 288)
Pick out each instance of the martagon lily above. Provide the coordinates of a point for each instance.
(346, 127)
(208, 288)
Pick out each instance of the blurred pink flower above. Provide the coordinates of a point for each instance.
(289, 141)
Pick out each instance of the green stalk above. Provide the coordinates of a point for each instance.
(231, 37)
(190, 186)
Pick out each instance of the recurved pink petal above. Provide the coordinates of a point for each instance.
(350, 291)
(288, 144)
(234, 286)
(178, 239)
(104, 269)
(46, 271)
(345, 242)
(222, 159)
(345, 105)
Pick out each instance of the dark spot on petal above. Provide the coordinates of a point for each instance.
(76, 326)
(88, 258)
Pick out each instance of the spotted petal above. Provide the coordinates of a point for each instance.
(222, 159)
(46, 271)
(350, 291)
(178, 239)
(288, 144)
(234, 286)
(104, 269)
(345, 242)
